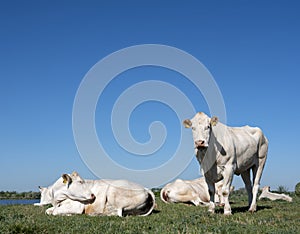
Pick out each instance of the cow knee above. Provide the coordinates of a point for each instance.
(225, 192)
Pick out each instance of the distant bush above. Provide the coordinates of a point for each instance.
(297, 189)
(156, 191)
(240, 192)
(282, 189)
(16, 195)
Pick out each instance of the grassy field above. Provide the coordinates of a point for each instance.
(271, 217)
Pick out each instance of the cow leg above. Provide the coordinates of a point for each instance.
(211, 191)
(254, 190)
(248, 185)
(228, 176)
(67, 207)
(55, 210)
(257, 172)
(49, 211)
(120, 212)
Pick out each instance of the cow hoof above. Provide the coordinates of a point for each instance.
(49, 211)
(120, 212)
(211, 211)
(227, 213)
(252, 209)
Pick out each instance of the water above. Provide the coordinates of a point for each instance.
(18, 201)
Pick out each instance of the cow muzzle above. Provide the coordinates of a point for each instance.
(91, 200)
(201, 144)
(93, 197)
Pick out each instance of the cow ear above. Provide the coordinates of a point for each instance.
(41, 188)
(213, 121)
(66, 179)
(187, 123)
(74, 173)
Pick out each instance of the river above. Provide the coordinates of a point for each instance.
(18, 201)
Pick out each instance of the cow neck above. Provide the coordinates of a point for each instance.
(208, 157)
(200, 154)
(217, 137)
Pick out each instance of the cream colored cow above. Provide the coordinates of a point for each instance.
(223, 151)
(191, 191)
(73, 195)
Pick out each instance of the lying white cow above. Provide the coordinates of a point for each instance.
(224, 151)
(63, 199)
(274, 196)
(65, 207)
(112, 197)
(194, 191)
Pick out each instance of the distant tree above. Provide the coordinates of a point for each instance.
(22, 195)
(240, 191)
(282, 189)
(297, 189)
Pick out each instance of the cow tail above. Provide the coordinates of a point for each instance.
(163, 195)
(150, 202)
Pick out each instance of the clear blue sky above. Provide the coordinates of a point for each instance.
(251, 48)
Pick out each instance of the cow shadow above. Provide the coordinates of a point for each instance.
(246, 208)
(242, 209)
(155, 211)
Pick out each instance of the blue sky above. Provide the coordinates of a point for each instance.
(251, 48)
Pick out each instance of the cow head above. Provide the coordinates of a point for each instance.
(201, 126)
(72, 187)
(45, 195)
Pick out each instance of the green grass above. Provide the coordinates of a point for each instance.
(271, 217)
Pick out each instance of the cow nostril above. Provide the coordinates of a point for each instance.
(200, 142)
(93, 196)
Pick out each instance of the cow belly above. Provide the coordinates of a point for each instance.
(245, 161)
(246, 152)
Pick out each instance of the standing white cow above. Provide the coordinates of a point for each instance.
(194, 191)
(112, 197)
(224, 151)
